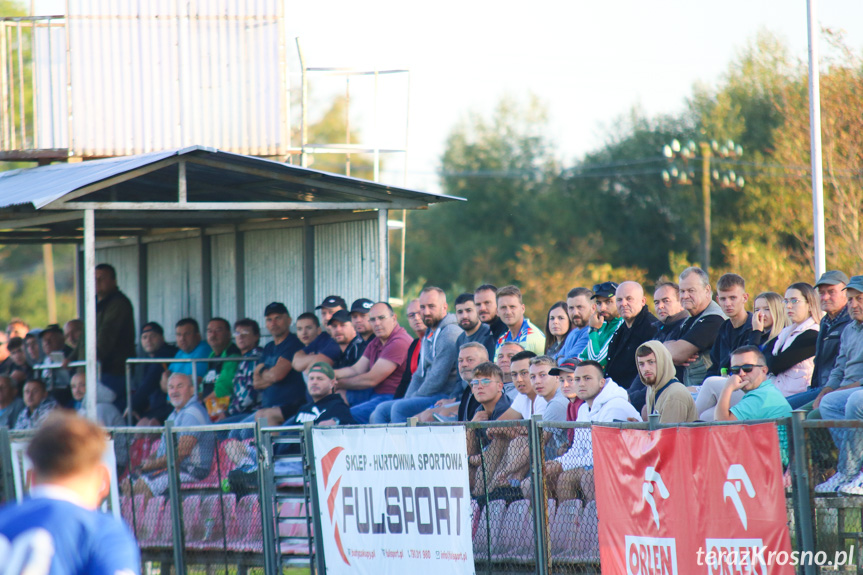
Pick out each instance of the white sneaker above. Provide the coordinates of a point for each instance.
(854, 486)
(833, 484)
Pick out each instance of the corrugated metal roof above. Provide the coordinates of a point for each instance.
(43, 185)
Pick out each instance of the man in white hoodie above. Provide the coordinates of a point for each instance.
(571, 474)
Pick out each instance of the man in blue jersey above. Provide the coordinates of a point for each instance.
(57, 530)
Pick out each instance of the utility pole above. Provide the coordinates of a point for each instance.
(705, 199)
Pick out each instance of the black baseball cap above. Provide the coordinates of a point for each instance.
(152, 326)
(333, 301)
(53, 328)
(340, 316)
(276, 307)
(568, 365)
(362, 305)
(605, 289)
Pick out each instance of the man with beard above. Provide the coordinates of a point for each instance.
(580, 306)
(473, 329)
(603, 324)
(438, 377)
(666, 396)
(485, 297)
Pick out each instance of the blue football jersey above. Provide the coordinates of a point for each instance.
(44, 536)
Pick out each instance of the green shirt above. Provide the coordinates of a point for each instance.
(763, 402)
(598, 340)
(224, 383)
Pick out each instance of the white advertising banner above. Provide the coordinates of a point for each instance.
(394, 500)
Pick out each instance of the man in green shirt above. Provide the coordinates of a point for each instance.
(761, 399)
(603, 325)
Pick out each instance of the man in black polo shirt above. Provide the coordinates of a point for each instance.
(669, 311)
(637, 327)
(344, 334)
(485, 298)
(690, 350)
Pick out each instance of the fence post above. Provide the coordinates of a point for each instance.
(653, 421)
(174, 498)
(800, 486)
(128, 394)
(6, 464)
(266, 481)
(534, 432)
(311, 479)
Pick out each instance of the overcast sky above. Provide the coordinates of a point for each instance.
(589, 62)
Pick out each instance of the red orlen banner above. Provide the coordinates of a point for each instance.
(691, 500)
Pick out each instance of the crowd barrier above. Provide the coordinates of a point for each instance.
(253, 508)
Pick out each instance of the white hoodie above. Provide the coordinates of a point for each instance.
(612, 403)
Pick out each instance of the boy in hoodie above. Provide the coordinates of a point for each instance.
(571, 474)
(666, 396)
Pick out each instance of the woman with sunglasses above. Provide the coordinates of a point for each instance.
(790, 356)
(768, 318)
(557, 327)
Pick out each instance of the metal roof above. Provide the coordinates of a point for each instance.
(189, 187)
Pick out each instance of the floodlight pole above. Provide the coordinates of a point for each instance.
(815, 141)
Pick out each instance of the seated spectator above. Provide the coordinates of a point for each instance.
(547, 386)
(666, 396)
(360, 318)
(842, 398)
(463, 407)
(281, 387)
(245, 399)
(319, 345)
(37, 405)
(382, 365)
(557, 328)
(691, 344)
(761, 400)
(603, 324)
(327, 407)
(330, 305)
(72, 331)
(194, 448)
(636, 328)
(107, 413)
(150, 405)
(219, 377)
(415, 322)
(437, 377)
(17, 327)
(10, 404)
(769, 318)
(55, 350)
(831, 291)
(519, 329)
(487, 391)
(485, 298)
(191, 346)
(5, 362)
(669, 310)
(350, 344)
(18, 359)
(570, 476)
(473, 329)
(565, 372)
(33, 348)
(504, 362)
(790, 355)
(580, 307)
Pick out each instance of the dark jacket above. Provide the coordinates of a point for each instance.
(621, 366)
(413, 352)
(147, 394)
(115, 334)
(827, 347)
(668, 330)
(728, 339)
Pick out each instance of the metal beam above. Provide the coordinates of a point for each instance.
(90, 313)
(238, 206)
(38, 221)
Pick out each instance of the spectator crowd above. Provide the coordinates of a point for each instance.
(602, 356)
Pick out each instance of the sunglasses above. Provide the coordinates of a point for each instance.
(747, 368)
(482, 382)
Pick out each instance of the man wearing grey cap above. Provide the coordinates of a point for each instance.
(831, 289)
(843, 398)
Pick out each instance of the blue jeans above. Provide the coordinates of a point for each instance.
(798, 400)
(398, 410)
(363, 411)
(846, 404)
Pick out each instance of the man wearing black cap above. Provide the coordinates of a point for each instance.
(281, 386)
(603, 325)
(360, 318)
(330, 305)
(149, 403)
(344, 334)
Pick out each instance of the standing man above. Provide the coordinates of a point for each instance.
(381, 367)
(485, 297)
(603, 324)
(580, 306)
(696, 335)
(638, 326)
(279, 384)
(666, 396)
(474, 330)
(59, 523)
(115, 333)
(519, 329)
(438, 377)
(761, 399)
